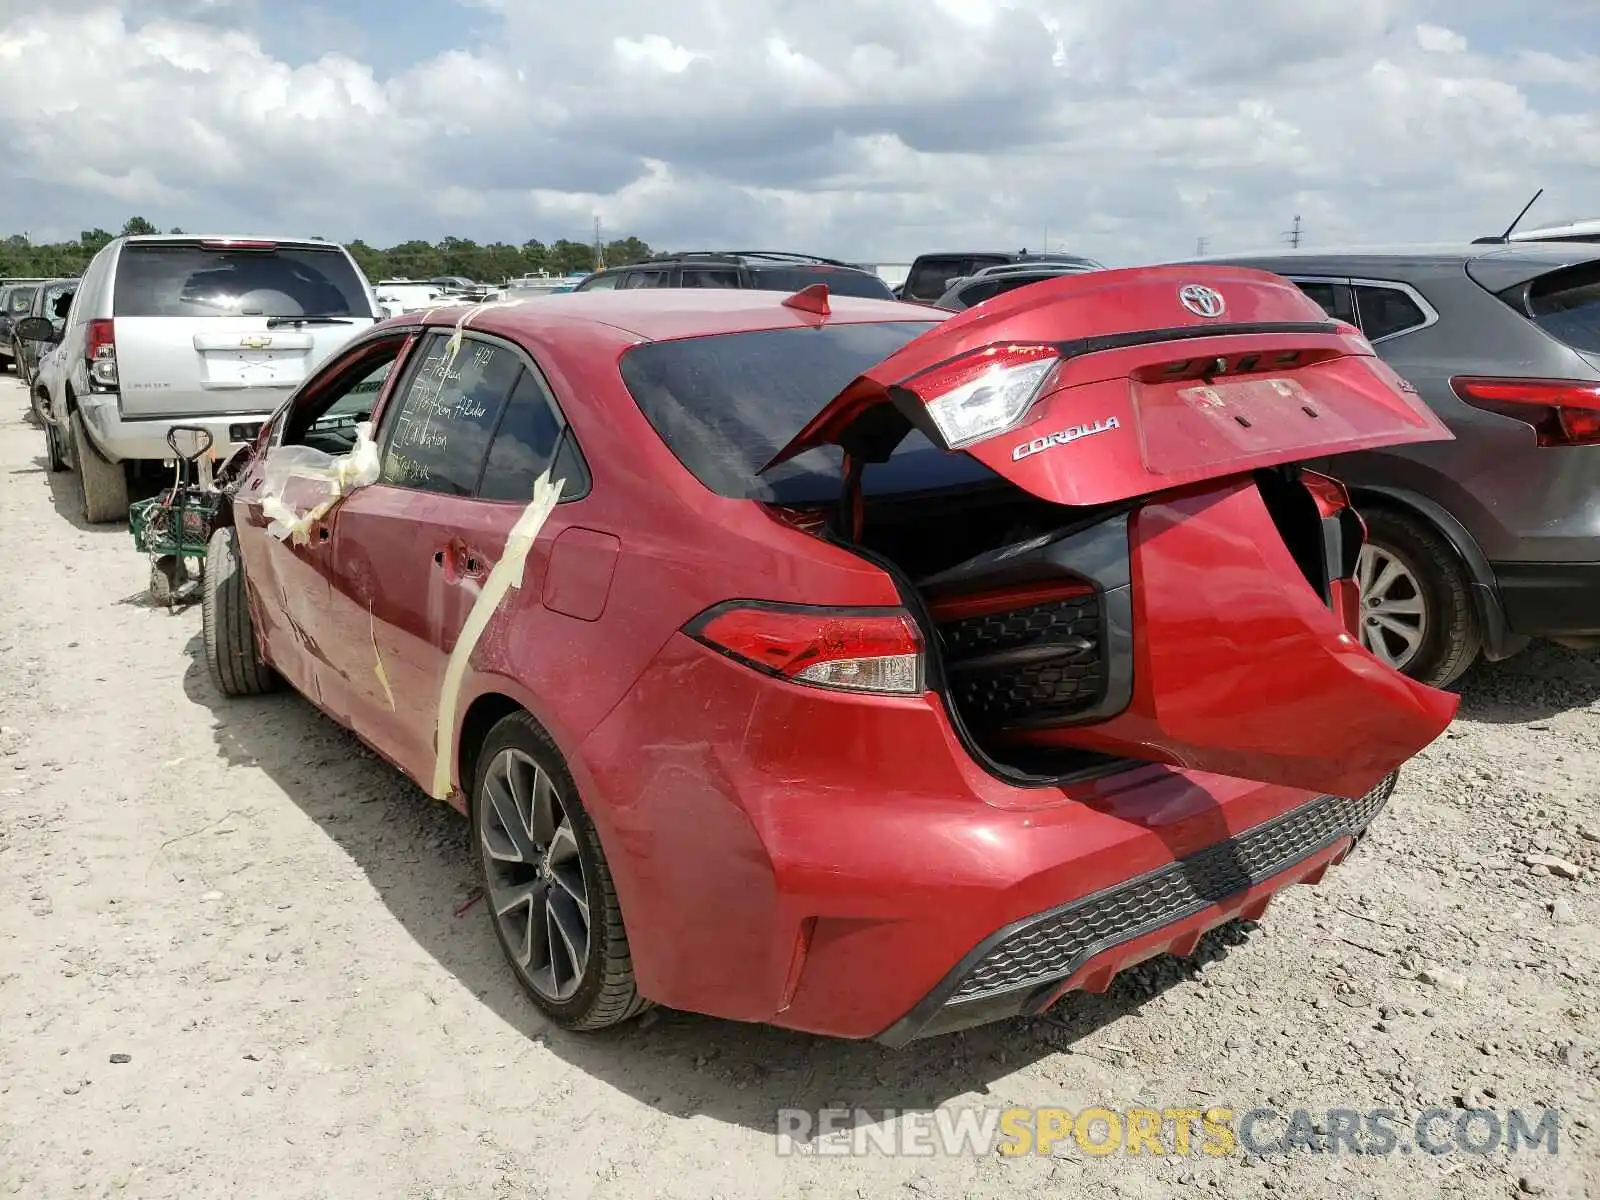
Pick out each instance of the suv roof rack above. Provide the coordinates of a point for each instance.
(776, 256)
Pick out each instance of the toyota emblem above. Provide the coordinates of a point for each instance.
(1201, 300)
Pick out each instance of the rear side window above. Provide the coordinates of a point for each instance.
(1386, 311)
(840, 282)
(726, 404)
(193, 280)
(708, 277)
(1566, 305)
(1334, 297)
(438, 429)
(531, 434)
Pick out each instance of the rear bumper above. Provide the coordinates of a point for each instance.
(1544, 599)
(1027, 966)
(123, 440)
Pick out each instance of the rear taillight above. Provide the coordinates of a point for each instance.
(851, 650)
(1563, 412)
(100, 352)
(984, 393)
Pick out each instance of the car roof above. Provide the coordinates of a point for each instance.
(1554, 233)
(667, 314)
(1547, 254)
(298, 239)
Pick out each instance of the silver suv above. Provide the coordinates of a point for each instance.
(210, 331)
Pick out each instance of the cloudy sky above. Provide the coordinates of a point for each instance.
(871, 129)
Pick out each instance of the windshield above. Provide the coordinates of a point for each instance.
(193, 280)
(725, 405)
(1566, 305)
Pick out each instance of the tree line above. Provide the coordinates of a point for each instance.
(491, 263)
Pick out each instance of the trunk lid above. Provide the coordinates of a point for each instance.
(221, 326)
(1207, 622)
(1122, 366)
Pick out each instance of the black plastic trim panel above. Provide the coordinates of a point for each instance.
(1016, 969)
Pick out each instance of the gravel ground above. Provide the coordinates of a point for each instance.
(231, 964)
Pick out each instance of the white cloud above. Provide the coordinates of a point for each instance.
(1438, 40)
(867, 128)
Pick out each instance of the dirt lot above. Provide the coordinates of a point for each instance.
(230, 962)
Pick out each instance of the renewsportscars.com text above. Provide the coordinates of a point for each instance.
(1172, 1132)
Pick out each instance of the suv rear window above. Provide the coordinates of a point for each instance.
(932, 274)
(726, 404)
(1566, 305)
(191, 280)
(840, 282)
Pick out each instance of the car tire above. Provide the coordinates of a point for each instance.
(104, 484)
(1417, 575)
(39, 404)
(52, 448)
(527, 884)
(233, 656)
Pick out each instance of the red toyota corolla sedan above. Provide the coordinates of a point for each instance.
(838, 663)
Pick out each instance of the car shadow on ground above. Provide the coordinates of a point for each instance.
(1541, 681)
(414, 851)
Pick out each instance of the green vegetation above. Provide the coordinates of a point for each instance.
(492, 263)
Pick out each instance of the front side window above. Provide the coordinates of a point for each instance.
(601, 283)
(326, 417)
(437, 430)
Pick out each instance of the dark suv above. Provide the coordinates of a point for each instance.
(932, 275)
(770, 270)
(16, 298)
(1476, 544)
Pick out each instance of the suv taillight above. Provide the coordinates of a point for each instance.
(1563, 412)
(100, 351)
(851, 650)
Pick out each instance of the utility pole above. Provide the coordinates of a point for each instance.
(1200, 247)
(599, 247)
(1293, 236)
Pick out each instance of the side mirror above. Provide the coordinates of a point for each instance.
(35, 329)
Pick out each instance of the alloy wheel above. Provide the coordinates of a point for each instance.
(1394, 611)
(536, 881)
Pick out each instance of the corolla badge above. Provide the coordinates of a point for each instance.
(1064, 437)
(1201, 300)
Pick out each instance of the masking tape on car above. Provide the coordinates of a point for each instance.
(339, 473)
(505, 575)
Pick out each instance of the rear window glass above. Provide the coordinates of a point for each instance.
(840, 283)
(1566, 305)
(726, 404)
(178, 280)
(931, 275)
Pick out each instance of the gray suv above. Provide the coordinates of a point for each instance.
(209, 331)
(1478, 544)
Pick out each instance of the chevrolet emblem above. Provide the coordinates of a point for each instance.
(255, 343)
